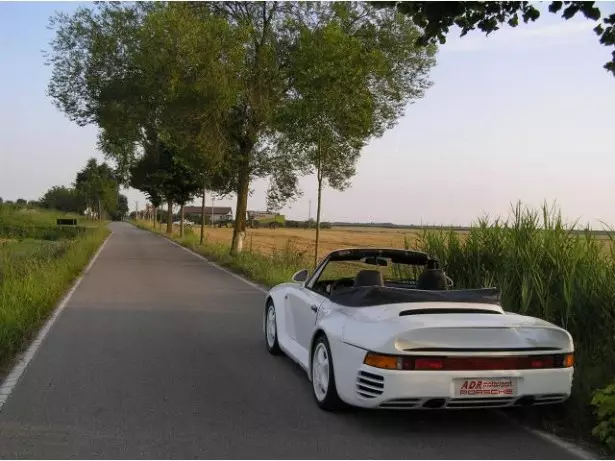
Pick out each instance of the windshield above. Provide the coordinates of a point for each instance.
(395, 273)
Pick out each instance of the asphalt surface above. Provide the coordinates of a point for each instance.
(159, 354)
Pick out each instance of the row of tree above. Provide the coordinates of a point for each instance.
(211, 95)
(95, 192)
(196, 96)
(20, 203)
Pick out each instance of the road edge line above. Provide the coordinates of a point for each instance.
(217, 266)
(570, 447)
(11, 381)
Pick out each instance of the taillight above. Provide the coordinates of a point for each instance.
(428, 364)
(515, 362)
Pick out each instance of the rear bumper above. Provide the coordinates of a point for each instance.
(434, 389)
(371, 387)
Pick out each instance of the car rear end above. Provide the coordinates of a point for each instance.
(459, 361)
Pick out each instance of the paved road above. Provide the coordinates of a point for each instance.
(160, 355)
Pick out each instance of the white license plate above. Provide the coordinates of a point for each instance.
(485, 387)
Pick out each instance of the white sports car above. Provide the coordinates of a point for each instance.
(382, 328)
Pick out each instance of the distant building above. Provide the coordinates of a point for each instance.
(212, 214)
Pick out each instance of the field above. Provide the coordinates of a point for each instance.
(268, 241)
(38, 261)
(542, 267)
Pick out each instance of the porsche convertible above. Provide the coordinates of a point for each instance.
(385, 328)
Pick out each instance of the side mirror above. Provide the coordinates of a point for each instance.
(300, 276)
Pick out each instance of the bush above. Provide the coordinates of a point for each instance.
(604, 401)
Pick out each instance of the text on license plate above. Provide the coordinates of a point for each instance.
(496, 387)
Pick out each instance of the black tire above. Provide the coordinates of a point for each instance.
(331, 400)
(274, 348)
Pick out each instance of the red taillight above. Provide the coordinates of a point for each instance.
(542, 362)
(428, 364)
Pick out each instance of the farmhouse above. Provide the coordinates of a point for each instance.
(212, 214)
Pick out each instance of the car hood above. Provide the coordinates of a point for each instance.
(432, 328)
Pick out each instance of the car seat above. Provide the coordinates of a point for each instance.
(368, 278)
(432, 279)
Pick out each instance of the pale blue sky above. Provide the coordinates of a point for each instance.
(525, 114)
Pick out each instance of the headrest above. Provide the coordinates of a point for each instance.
(367, 278)
(432, 279)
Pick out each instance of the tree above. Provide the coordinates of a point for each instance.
(148, 74)
(63, 199)
(353, 74)
(98, 187)
(20, 202)
(165, 175)
(122, 206)
(435, 18)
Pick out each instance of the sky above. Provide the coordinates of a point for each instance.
(526, 114)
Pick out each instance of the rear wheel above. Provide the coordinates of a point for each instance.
(271, 329)
(323, 377)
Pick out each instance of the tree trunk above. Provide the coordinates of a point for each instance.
(320, 178)
(169, 216)
(181, 221)
(154, 216)
(203, 217)
(99, 210)
(243, 189)
(239, 231)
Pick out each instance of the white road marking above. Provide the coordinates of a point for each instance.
(13, 378)
(571, 448)
(233, 274)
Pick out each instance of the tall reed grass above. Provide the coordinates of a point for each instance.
(547, 269)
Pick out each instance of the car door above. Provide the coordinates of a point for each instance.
(304, 304)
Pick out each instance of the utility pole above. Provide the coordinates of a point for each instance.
(137, 211)
(310, 214)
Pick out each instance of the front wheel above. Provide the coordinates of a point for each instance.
(271, 329)
(323, 377)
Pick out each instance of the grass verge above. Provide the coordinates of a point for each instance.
(31, 287)
(267, 270)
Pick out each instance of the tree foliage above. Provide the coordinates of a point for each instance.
(164, 175)
(64, 199)
(436, 18)
(354, 71)
(98, 187)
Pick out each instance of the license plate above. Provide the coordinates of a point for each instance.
(485, 387)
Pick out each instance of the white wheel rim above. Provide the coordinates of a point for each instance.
(320, 371)
(270, 328)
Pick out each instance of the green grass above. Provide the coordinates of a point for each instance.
(543, 268)
(35, 273)
(33, 223)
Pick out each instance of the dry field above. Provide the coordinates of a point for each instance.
(267, 241)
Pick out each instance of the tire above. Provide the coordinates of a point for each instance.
(328, 399)
(271, 329)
